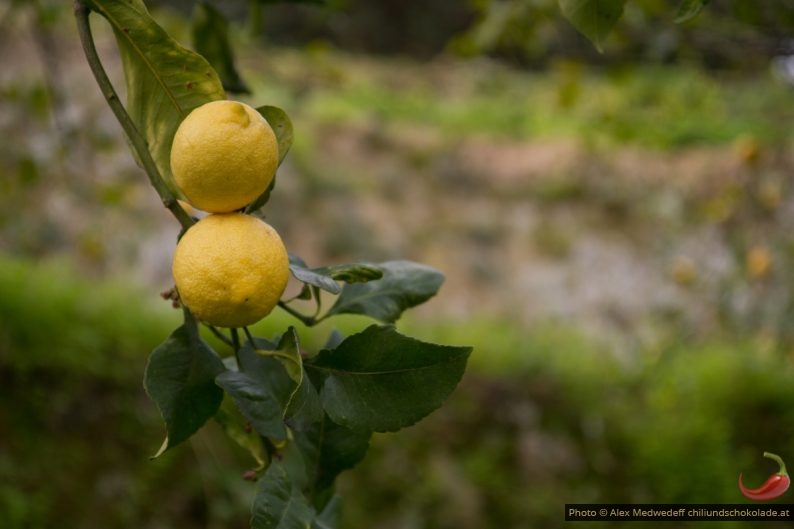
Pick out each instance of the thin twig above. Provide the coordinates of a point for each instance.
(270, 448)
(306, 320)
(191, 324)
(250, 337)
(220, 336)
(81, 13)
(236, 346)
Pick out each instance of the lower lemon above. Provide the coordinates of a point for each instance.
(230, 269)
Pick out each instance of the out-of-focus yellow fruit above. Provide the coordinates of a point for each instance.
(759, 262)
(770, 194)
(684, 270)
(747, 149)
(224, 156)
(230, 269)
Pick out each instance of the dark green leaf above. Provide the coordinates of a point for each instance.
(329, 517)
(689, 9)
(404, 284)
(334, 339)
(277, 367)
(304, 409)
(326, 277)
(278, 503)
(288, 354)
(593, 18)
(234, 424)
(281, 124)
(296, 260)
(305, 293)
(263, 198)
(310, 277)
(382, 381)
(180, 379)
(256, 401)
(352, 273)
(270, 386)
(164, 80)
(328, 449)
(210, 33)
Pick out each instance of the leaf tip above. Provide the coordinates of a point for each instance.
(162, 449)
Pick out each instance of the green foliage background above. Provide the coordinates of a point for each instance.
(546, 420)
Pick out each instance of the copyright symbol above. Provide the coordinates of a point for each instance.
(602, 512)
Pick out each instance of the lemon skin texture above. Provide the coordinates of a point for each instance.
(230, 269)
(224, 155)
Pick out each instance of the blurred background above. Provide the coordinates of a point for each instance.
(616, 229)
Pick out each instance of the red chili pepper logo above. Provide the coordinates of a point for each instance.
(776, 485)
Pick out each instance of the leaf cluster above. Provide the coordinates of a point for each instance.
(305, 418)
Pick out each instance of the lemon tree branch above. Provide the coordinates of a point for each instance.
(82, 12)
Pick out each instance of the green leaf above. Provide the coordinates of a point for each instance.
(282, 126)
(352, 273)
(210, 35)
(256, 402)
(287, 352)
(593, 18)
(164, 80)
(334, 339)
(234, 425)
(298, 397)
(180, 379)
(326, 277)
(278, 503)
(270, 386)
(329, 449)
(310, 277)
(404, 284)
(305, 408)
(263, 198)
(380, 380)
(689, 9)
(329, 517)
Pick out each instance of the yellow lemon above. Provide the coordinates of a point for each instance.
(224, 156)
(230, 269)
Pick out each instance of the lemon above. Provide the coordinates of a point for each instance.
(230, 269)
(224, 156)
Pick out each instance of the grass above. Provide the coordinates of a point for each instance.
(53, 317)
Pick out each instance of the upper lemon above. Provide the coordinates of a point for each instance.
(224, 156)
(230, 269)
